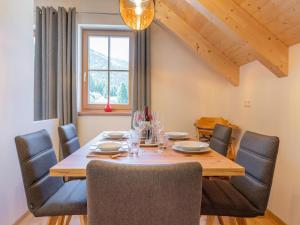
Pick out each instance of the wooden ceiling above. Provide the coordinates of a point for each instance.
(230, 33)
(281, 17)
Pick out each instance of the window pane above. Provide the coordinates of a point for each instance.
(119, 53)
(98, 53)
(97, 87)
(119, 88)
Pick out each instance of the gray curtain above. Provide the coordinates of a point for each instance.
(55, 65)
(66, 73)
(142, 73)
(45, 79)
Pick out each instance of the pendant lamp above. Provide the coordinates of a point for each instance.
(137, 14)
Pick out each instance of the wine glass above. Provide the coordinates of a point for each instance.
(157, 124)
(155, 118)
(139, 124)
(136, 120)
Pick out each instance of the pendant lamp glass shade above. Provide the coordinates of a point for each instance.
(137, 14)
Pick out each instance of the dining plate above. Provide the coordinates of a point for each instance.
(109, 146)
(115, 134)
(202, 150)
(99, 152)
(191, 145)
(177, 135)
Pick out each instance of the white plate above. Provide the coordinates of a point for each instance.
(109, 146)
(202, 150)
(177, 135)
(191, 145)
(99, 152)
(115, 134)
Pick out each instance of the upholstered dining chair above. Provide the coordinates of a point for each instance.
(144, 194)
(245, 196)
(68, 139)
(48, 196)
(220, 139)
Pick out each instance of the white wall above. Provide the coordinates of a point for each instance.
(16, 102)
(183, 86)
(275, 110)
(91, 126)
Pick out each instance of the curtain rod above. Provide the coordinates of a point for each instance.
(85, 12)
(99, 13)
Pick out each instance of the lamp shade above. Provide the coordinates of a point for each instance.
(137, 14)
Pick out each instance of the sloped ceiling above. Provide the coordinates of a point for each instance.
(238, 31)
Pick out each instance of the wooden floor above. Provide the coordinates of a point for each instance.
(30, 220)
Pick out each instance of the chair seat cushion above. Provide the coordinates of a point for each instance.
(222, 199)
(70, 199)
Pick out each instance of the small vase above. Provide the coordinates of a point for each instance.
(107, 108)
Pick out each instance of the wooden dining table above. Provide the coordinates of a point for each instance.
(213, 163)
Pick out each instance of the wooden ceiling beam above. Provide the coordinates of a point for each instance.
(271, 51)
(210, 54)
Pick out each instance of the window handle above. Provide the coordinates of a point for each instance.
(84, 77)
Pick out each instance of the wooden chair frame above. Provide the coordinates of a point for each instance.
(205, 127)
(225, 220)
(65, 220)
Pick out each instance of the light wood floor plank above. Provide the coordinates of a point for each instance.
(30, 220)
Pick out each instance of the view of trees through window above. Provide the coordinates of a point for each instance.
(108, 69)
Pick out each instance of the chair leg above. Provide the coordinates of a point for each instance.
(61, 220)
(52, 220)
(210, 220)
(67, 220)
(225, 220)
(83, 220)
(241, 221)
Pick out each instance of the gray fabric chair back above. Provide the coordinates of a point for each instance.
(220, 139)
(258, 155)
(140, 194)
(68, 139)
(36, 157)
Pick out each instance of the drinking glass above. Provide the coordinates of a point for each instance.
(129, 145)
(134, 143)
(162, 141)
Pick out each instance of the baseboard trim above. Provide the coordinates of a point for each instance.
(274, 217)
(22, 218)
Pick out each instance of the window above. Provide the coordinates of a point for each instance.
(107, 69)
